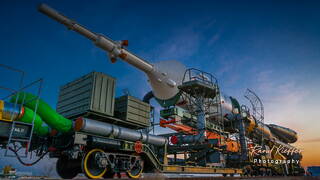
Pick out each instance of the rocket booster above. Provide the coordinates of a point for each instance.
(270, 131)
(163, 86)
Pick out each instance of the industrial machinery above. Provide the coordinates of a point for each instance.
(94, 133)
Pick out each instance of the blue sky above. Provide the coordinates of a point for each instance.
(272, 47)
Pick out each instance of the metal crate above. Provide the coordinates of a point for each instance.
(92, 93)
(133, 110)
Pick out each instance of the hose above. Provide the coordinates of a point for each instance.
(40, 128)
(48, 115)
(148, 97)
(28, 164)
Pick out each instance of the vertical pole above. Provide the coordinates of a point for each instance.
(165, 155)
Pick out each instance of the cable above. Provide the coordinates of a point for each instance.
(24, 163)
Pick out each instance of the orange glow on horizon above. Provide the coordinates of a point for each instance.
(310, 152)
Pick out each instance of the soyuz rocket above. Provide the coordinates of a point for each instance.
(164, 82)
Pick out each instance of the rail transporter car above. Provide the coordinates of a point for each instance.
(94, 133)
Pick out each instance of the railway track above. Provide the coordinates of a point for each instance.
(222, 178)
(234, 178)
(242, 178)
(193, 177)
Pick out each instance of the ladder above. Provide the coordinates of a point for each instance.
(14, 137)
(218, 114)
(17, 132)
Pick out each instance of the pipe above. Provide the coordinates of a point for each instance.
(10, 111)
(48, 115)
(40, 128)
(189, 139)
(17, 112)
(148, 97)
(105, 129)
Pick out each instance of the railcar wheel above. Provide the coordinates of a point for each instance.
(90, 165)
(136, 170)
(67, 168)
